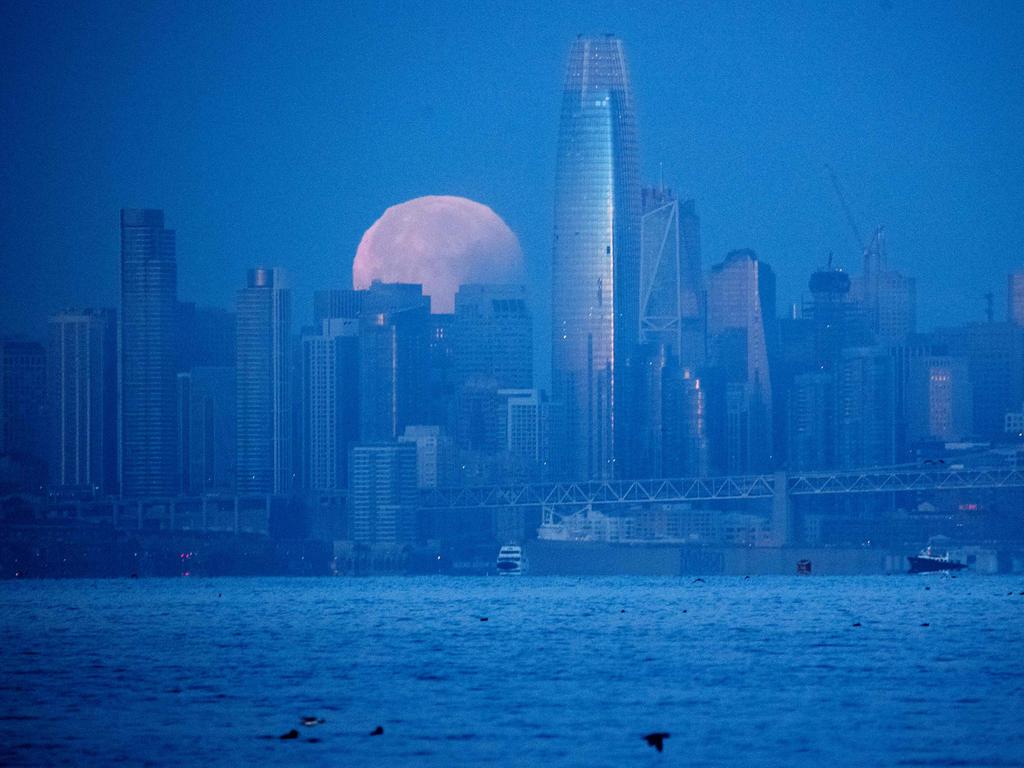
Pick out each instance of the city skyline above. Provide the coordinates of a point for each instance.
(786, 210)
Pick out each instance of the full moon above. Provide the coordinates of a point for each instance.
(442, 242)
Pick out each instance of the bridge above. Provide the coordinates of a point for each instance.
(780, 487)
(765, 486)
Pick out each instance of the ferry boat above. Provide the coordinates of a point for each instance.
(926, 561)
(511, 561)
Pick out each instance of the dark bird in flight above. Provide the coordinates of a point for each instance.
(292, 734)
(656, 740)
(697, 579)
(378, 731)
(311, 720)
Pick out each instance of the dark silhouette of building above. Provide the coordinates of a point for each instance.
(149, 344)
(83, 401)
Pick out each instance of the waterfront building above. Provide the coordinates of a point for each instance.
(149, 344)
(595, 258)
(22, 414)
(264, 382)
(83, 401)
(383, 493)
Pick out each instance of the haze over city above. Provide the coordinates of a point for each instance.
(280, 137)
(511, 384)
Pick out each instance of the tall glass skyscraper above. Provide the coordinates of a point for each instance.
(596, 256)
(149, 306)
(263, 374)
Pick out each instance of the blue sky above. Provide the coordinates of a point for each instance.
(277, 133)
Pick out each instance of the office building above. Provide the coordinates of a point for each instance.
(264, 379)
(492, 335)
(206, 430)
(742, 334)
(394, 360)
(595, 260)
(940, 400)
(434, 455)
(83, 401)
(995, 361)
(149, 348)
(330, 402)
(383, 493)
(866, 408)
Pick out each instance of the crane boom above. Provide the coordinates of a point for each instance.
(846, 208)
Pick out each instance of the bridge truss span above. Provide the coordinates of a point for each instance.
(765, 486)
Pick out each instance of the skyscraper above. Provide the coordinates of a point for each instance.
(382, 493)
(596, 256)
(742, 326)
(83, 400)
(330, 402)
(149, 307)
(394, 360)
(493, 335)
(263, 383)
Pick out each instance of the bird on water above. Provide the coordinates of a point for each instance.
(656, 739)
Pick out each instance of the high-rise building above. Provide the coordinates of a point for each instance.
(342, 303)
(866, 408)
(595, 260)
(995, 361)
(394, 360)
(433, 454)
(940, 401)
(742, 331)
(83, 400)
(1015, 297)
(889, 297)
(811, 416)
(493, 335)
(382, 493)
(207, 441)
(149, 343)
(263, 372)
(330, 402)
(23, 410)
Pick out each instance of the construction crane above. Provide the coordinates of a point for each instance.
(846, 208)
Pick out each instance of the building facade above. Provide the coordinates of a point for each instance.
(596, 254)
(263, 392)
(149, 343)
(83, 401)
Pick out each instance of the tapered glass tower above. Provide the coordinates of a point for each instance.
(596, 257)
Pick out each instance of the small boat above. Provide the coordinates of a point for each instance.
(927, 561)
(511, 561)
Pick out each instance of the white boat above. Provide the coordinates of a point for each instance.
(511, 561)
